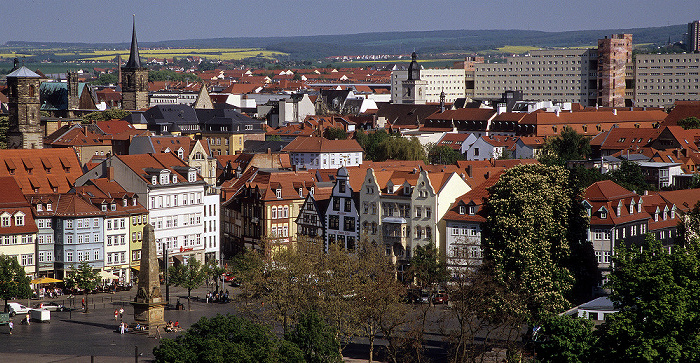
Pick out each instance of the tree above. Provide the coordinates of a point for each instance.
(427, 268)
(227, 338)
(629, 176)
(316, 339)
(568, 145)
(214, 272)
(565, 339)
(106, 79)
(333, 133)
(14, 282)
(691, 122)
(400, 148)
(370, 142)
(443, 154)
(83, 277)
(190, 276)
(656, 294)
(106, 115)
(526, 229)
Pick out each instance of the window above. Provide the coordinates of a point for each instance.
(428, 212)
(286, 212)
(349, 224)
(5, 221)
(96, 254)
(109, 240)
(348, 204)
(69, 256)
(606, 256)
(419, 232)
(418, 212)
(285, 231)
(462, 209)
(69, 238)
(274, 213)
(109, 224)
(336, 203)
(278, 193)
(341, 186)
(428, 232)
(333, 222)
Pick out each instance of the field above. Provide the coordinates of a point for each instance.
(213, 53)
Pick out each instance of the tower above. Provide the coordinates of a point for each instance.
(694, 37)
(614, 54)
(413, 88)
(73, 99)
(134, 78)
(24, 105)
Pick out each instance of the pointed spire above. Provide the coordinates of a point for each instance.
(134, 58)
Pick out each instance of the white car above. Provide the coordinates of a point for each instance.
(16, 308)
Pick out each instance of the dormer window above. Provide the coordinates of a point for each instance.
(278, 193)
(673, 212)
(603, 214)
(632, 206)
(181, 153)
(39, 207)
(312, 190)
(174, 178)
(125, 202)
(113, 207)
(406, 190)
(462, 209)
(154, 180)
(133, 201)
(301, 193)
(639, 206)
(104, 207)
(192, 176)
(49, 207)
(656, 215)
(19, 219)
(472, 210)
(164, 177)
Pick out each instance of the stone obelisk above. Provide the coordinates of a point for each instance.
(148, 304)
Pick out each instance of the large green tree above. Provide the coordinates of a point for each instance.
(568, 145)
(629, 176)
(526, 230)
(227, 338)
(333, 133)
(427, 268)
(691, 122)
(190, 275)
(84, 277)
(400, 148)
(370, 142)
(656, 292)
(14, 283)
(443, 154)
(106, 115)
(564, 338)
(316, 339)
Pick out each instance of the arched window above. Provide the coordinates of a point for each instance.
(31, 90)
(286, 212)
(274, 212)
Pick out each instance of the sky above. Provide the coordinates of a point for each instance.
(99, 21)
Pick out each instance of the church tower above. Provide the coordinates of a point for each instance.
(24, 105)
(134, 79)
(73, 98)
(413, 88)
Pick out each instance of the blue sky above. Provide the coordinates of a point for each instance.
(110, 21)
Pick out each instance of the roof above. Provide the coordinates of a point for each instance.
(144, 165)
(406, 115)
(12, 201)
(477, 197)
(606, 190)
(464, 114)
(453, 140)
(41, 171)
(23, 72)
(682, 110)
(321, 144)
(134, 58)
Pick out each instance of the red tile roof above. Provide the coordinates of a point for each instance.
(11, 202)
(321, 144)
(41, 171)
(682, 110)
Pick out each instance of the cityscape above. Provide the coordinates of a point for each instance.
(537, 204)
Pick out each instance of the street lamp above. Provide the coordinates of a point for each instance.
(165, 274)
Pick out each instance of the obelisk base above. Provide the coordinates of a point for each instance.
(150, 316)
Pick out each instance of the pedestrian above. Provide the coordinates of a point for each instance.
(11, 325)
(116, 314)
(121, 328)
(83, 302)
(27, 319)
(121, 313)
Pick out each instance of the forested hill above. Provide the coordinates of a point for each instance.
(319, 46)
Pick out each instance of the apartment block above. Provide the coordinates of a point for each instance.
(662, 79)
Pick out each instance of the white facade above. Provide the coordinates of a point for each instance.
(296, 110)
(662, 79)
(176, 211)
(210, 218)
(117, 246)
(172, 98)
(482, 150)
(450, 81)
(325, 160)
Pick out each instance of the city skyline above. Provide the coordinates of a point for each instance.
(110, 22)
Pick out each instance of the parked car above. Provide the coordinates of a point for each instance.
(232, 279)
(16, 308)
(51, 306)
(441, 297)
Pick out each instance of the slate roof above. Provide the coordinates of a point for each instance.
(406, 115)
(23, 72)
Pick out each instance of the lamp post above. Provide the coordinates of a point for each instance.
(165, 273)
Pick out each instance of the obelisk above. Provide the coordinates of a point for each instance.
(148, 304)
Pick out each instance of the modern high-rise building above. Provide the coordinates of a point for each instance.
(694, 36)
(426, 85)
(662, 79)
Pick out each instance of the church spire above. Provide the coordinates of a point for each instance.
(134, 58)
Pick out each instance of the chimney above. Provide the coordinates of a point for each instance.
(469, 170)
(110, 173)
(269, 151)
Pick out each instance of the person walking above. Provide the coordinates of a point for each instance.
(10, 325)
(116, 314)
(121, 328)
(28, 319)
(121, 313)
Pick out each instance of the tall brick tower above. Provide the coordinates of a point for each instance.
(73, 99)
(24, 106)
(694, 37)
(134, 79)
(614, 54)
